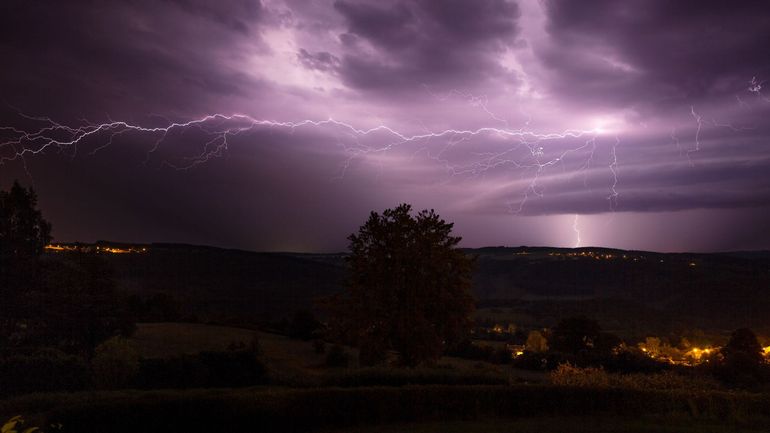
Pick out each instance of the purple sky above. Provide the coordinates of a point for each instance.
(638, 124)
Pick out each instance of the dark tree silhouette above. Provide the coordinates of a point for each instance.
(741, 361)
(409, 287)
(68, 302)
(23, 233)
(23, 236)
(581, 335)
(743, 343)
(575, 335)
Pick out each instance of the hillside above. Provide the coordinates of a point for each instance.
(626, 290)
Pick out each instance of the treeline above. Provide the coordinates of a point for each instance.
(580, 342)
(115, 365)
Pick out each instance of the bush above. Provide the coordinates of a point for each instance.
(19, 424)
(235, 368)
(468, 350)
(569, 375)
(115, 363)
(42, 370)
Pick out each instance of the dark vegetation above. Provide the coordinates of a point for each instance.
(408, 289)
(322, 408)
(721, 292)
(66, 321)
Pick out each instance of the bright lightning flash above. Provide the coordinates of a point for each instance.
(539, 149)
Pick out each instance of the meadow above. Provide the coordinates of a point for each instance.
(303, 393)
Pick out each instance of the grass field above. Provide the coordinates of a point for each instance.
(455, 396)
(432, 408)
(287, 359)
(593, 424)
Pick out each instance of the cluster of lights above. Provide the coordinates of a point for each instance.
(597, 256)
(691, 357)
(80, 248)
(608, 256)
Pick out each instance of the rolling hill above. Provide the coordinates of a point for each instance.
(635, 290)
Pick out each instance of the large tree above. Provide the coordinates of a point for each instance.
(23, 232)
(23, 236)
(69, 302)
(580, 336)
(408, 289)
(741, 361)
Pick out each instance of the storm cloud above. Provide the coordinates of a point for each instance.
(508, 117)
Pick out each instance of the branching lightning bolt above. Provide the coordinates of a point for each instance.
(699, 122)
(219, 129)
(755, 87)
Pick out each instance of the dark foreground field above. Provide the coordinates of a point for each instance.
(456, 395)
(435, 407)
(588, 424)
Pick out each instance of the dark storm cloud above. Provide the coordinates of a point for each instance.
(238, 15)
(82, 57)
(655, 52)
(441, 43)
(665, 84)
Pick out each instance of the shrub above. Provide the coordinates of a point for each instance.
(19, 424)
(115, 363)
(468, 350)
(42, 370)
(570, 375)
(234, 368)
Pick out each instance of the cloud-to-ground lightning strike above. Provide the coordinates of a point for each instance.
(218, 130)
(576, 229)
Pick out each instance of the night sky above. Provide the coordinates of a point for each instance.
(638, 124)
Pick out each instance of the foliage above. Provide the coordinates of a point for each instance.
(115, 363)
(160, 307)
(75, 307)
(65, 303)
(580, 336)
(743, 343)
(741, 362)
(42, 370)
(23, 231)
(536, 342)
(409, 287)
(592, 377)
(232, 368)
(467, 349)
(18, 424)
(23, 236)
